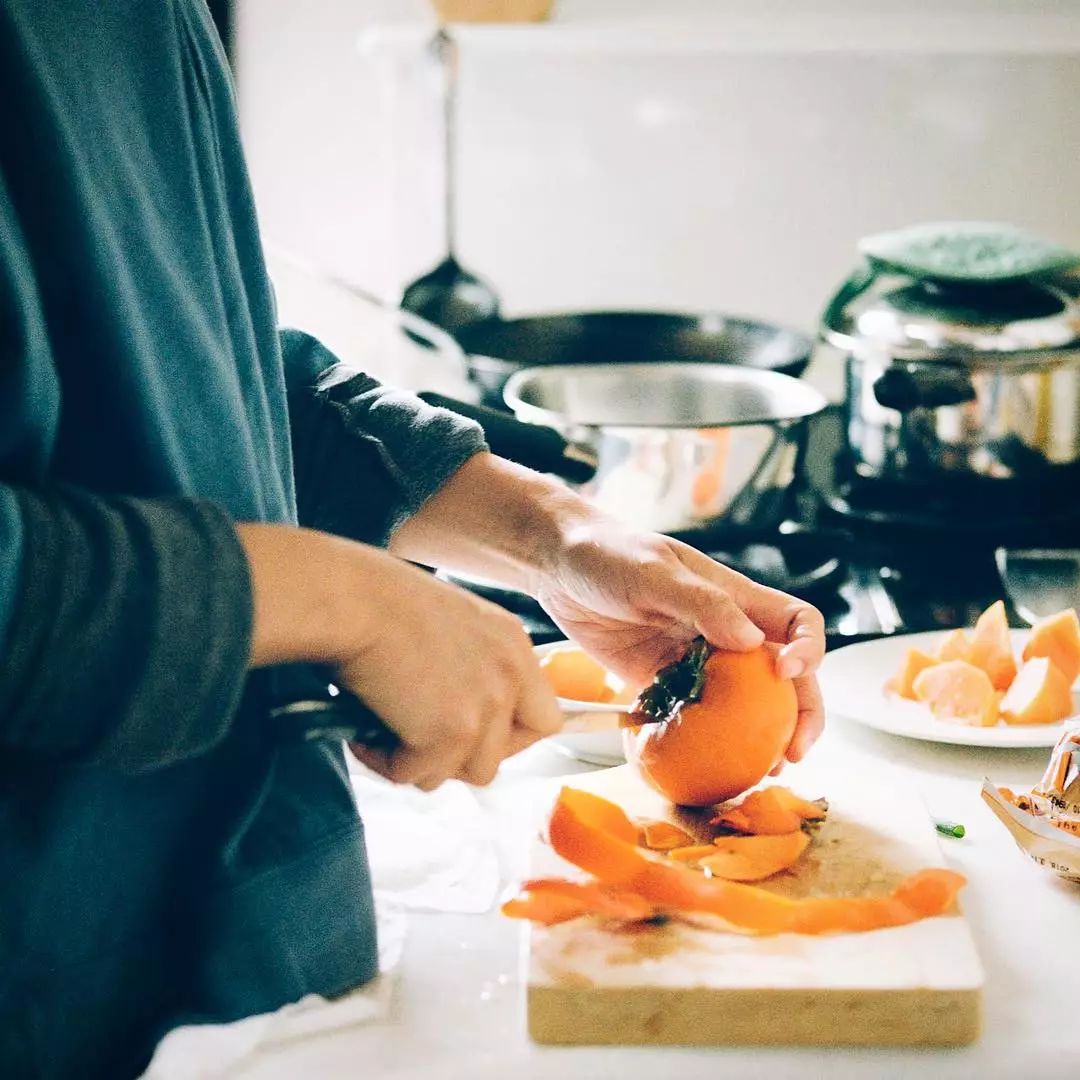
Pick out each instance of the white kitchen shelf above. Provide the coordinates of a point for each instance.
(957, 27)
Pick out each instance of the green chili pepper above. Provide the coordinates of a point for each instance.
(950, 828)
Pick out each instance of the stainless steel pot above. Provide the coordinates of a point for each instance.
(958, 381)
(672, 448)
(677, 446)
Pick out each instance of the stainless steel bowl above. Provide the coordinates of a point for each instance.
(678, 446)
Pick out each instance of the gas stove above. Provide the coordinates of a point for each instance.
(875, 560)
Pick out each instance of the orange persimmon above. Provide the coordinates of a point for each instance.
(597, 836)
(754, 858)
(717, 722)
(915, 661)
(771, 811)
(575, 675)
(953, 646)
(1039, 694)
(959, 691)
(991, 647)
(1057, 637)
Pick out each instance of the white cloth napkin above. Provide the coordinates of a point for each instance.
(428, 853)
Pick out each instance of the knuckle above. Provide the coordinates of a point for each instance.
(481, 774)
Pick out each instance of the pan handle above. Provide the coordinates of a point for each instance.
(532, 445)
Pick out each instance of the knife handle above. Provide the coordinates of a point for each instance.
(315, 708)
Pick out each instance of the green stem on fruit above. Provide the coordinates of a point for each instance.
(674, 686)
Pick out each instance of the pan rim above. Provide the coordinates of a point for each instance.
(813, 400)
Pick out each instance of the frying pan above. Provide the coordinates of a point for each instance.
(497, 348)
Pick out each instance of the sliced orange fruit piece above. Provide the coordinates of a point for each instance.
(959, 691)
(754, 858)
(663, 836)
(770, 811)
(953, 646)
(991, 648)
(597, 836)
(1057, 637)
(1039, 694)
(555, 900)
(574, 674)
(902, 683)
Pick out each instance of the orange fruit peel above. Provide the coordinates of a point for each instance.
(754, 858)
(663, 836)
(692, 853)
(770, 811)
(554, 900)
(597, 836)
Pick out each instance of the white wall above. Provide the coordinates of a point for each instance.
(727, 156)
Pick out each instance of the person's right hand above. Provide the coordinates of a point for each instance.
(453, 675)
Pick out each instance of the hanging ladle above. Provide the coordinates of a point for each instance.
(449, 296)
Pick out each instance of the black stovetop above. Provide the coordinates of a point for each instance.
(875, 560)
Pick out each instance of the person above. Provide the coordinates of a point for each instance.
(192, 503)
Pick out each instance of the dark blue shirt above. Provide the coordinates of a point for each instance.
(164, 857)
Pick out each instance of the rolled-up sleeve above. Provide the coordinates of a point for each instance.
(366, 456)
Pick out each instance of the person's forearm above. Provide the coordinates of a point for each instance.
(494, 520)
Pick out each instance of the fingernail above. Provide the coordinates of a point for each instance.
(791, 667)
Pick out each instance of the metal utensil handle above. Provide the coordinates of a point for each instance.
(923, 386)
(445, 49)
(317, 709)
(532, 445)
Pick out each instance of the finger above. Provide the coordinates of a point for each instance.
(784, 619)
(778, 768)
(811, 720)
(378, 761)
(521, 739)
(537, 709)
(713, 613)
(483, 762)
(430, 783)
(799, 626)
(438, 759)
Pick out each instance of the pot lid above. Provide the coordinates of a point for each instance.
(967, 251)
(955, 292)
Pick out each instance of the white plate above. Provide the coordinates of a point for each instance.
(593, 734)
(853, 681)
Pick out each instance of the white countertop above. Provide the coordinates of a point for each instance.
(458, 1007)
(459, 1002)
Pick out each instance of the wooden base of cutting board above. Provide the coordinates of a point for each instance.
(590, 984)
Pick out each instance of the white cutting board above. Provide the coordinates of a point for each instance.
(680, 985)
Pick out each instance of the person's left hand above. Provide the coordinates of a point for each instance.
(635, 601)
